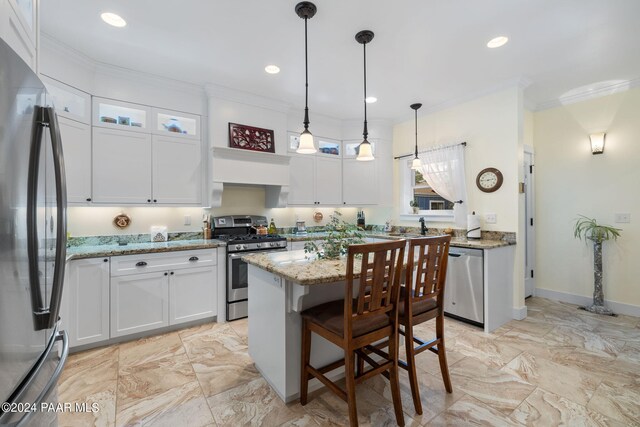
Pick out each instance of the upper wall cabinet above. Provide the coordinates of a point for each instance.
(120, 115)
(326, 146)
(68, 101)
(18, 27)
(175, 124)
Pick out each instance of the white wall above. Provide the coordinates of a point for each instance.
(571, 181)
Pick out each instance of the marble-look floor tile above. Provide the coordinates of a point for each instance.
(150, 349)
(480, 347)
(588, 340)
(494, 387)
(631, 353)
(433, 395)
(572, 383)
(208, 343)
(543, 408)
(138, 381)
(253, 403)
(531, 326)
(241, 327)
(471, 412)
(103, 393)
(184, 405)
(220, 374)
(373, 409)
(618, 401)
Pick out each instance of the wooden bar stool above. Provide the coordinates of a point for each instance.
(354, 323)
(422, 299)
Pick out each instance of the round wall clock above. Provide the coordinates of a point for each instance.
(489, 180)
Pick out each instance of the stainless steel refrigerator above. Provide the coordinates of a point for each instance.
(32, 247)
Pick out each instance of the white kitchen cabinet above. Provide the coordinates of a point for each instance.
(76, 145)
(302, 180)
(177, 170)
(68, 101)
(86, 300)
(315, 180)
(328, 183)
(175, 123)
(139, 302)
(359, 184)
(192, 294)
(19, 29)
(120, 115)
(121, 162)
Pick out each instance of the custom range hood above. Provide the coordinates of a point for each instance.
(268, 170)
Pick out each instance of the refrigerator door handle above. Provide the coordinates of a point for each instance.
(61, 217)
(51, 383)
(46, 317)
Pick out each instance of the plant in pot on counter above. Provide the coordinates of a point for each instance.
(414, 206)
(340, 235)
(588, 229)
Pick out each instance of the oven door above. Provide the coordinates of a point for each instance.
(237, 275)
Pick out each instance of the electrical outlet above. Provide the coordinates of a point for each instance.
(187, 220)
(623, 218)
(490, 218)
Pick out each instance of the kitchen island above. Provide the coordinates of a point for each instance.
(283, 284)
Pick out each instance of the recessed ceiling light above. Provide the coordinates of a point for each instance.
(497, 42)
(272, 69)
(113, 19)
(370, 99)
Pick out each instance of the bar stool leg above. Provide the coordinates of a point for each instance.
(411, 367)
(349, 372)
(393, 379)
(442, 354)
(306, 356)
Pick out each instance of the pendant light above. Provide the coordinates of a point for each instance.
(416, 164)
(365, 153)
(306, 10)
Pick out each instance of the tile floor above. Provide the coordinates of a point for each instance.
(560, 366)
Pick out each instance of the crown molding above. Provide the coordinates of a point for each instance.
(96, 67)
(242, 97)
(587, 94)
(520, 83)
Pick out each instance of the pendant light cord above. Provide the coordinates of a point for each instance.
(416, 111)
(365, 133)
(306, 79)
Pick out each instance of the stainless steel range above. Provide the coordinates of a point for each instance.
(240, 234)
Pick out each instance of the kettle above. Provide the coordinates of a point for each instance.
(173, 125)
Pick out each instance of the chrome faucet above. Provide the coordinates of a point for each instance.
(423, 229)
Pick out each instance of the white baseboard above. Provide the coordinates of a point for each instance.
(520, 313)
(617, 307)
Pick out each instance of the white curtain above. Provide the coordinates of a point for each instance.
(443, 169)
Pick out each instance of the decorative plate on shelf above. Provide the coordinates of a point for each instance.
(122, 220)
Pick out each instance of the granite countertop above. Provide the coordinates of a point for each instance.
(455, 242)
(96, 251)
(300, 267)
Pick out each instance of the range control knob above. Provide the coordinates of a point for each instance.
(244, 246)
(238, 247)
(258, 245)
(272, 244)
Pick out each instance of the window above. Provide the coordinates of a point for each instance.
(415, 187)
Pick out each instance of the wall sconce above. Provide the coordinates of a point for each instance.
(597, 142)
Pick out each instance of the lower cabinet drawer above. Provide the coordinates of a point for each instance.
(157, 262)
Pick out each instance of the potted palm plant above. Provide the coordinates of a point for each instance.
(414, 206)
(588, 229)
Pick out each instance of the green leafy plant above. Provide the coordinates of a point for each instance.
(413, 203)
(340, 235)
(588, 229)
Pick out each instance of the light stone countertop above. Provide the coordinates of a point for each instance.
(455, 242)
(97, 251)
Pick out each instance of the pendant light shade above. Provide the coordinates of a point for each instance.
(365, 151)
(306, 10)
(416, 164)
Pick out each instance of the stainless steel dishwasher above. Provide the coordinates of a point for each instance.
(464, 289)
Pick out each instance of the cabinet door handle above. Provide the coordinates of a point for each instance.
(171, 273)
(106, 260)
(148, 200)
(88, 199)
(155, 200)
(166, 274)
(194, 258)
(141, 263)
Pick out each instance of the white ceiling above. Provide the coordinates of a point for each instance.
(429, 51)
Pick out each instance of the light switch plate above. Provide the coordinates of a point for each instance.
(623, 218)
(187, 220)
(490, 218)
